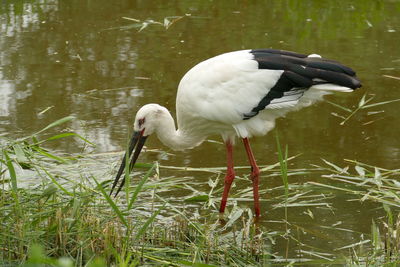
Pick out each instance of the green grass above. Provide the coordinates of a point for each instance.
(65, 217)
(64, 221)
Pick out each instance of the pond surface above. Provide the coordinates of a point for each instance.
(90, 59)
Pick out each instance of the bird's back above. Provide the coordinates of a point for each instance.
(242, 92)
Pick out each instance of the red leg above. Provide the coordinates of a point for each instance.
(255, 173)
(230, 175)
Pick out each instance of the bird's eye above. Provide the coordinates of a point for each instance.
(141, 122)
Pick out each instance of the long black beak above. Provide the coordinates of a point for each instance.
(137, 140)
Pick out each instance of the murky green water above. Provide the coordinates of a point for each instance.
(83, 58)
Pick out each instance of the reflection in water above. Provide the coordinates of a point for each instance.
(46, 63)
(6, 103)
(56, 53)
(76, 57)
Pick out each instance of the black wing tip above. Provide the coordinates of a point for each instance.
(343, 79)
(316, 62)
(331, 65)
(356, 83)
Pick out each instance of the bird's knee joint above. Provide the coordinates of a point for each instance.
(255, 171)
(229, 177)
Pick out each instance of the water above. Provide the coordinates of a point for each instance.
(85, 59)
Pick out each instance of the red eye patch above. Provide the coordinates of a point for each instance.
(141, 122)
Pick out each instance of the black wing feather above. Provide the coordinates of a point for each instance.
(329, 65)
(286, 83)
(267, 52)
(299, 72)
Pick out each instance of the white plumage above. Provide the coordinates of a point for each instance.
(239, 94)
(222, 89)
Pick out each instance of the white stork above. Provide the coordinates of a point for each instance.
(238, 94)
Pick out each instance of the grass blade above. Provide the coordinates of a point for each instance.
(148, 222)
(14, 185)
(49, 155)
(19, 153)
(140, 185)
(53, 124)
(56, 183)
(339, 106)
(353, 245)
(337, 168)
(11, 171)
(380, 103)
(283, 164)
(58, 136)
(113, 206)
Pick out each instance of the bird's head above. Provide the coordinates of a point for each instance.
(147, 121)
(147, 118)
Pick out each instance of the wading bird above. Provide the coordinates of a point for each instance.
(238, 95)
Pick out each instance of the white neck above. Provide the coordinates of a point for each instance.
(176, 139)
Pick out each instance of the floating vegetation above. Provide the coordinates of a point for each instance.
(140, 25)
(380, 185)
(168, 22)
(392, 77)
(362, 105)
(366, 182)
